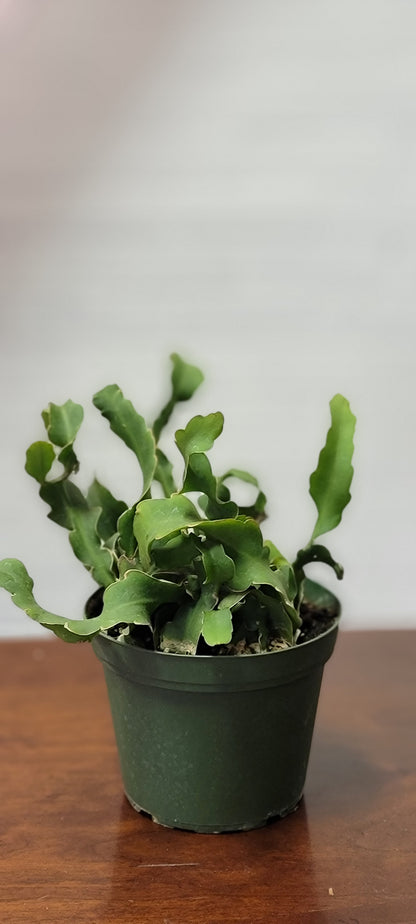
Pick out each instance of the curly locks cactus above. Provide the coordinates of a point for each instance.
(178, 575)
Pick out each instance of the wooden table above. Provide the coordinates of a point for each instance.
(72, 849)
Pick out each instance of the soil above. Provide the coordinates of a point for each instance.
(316, 620)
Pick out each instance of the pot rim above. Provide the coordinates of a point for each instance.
(318, 595)
(213, 674)
(121, 642)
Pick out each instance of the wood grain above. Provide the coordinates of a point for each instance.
(72, 849)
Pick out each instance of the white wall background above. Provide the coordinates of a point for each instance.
(235, 181)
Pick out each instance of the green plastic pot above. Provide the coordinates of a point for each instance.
(215, 744)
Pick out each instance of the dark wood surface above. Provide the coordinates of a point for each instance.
(72, 849)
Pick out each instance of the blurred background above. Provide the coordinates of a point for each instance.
(234, 181)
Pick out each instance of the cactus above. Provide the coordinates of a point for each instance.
(181, 576)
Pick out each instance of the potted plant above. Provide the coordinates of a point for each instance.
(212, 642)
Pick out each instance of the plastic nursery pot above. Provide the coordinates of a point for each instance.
(215, 744)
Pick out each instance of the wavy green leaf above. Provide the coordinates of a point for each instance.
(15, 579)
(68, 459)
(243, 542)
(280, 623)
(218, 566)
(330, 483)
(217, 628)
(132, 600)
(231, 600)
(125, 564)
(161, 519)
(193, 441)
(185, 380)
(63, 497)
(127, 539)
(199, 477)
(175, 555)
(130, 427)
(40, 457)
(181, 636)
(135, 598)
(111, 509)
(253, 624)
(164, 474)
(278, 561)
(88, 547)
(316, 553)
(241, 475)
(199, 434)
(62, 422)
(200, 617)
(257, 510)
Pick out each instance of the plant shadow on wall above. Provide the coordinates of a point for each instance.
(201, 624)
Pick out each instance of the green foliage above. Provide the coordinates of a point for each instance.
(131, 601)
(178, 575)
(88, 546)
(110, 509)
(163, 518)
(185, 380)
(131, 428)
(63, 422)
(39, 460)
(330, 482)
